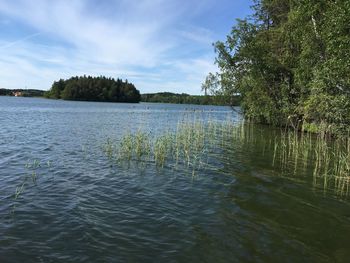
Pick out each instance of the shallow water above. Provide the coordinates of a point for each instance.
(83, 208)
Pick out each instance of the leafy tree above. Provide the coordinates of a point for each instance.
(290, 62)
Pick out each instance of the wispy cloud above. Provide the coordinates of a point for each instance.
(157, 44)
(19, 41)
(197, 34)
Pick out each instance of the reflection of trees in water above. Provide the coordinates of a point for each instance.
(296, 156)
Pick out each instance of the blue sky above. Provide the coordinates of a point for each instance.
(159, 45)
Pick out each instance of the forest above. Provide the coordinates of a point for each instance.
(88, 88)
(183, 98)
(290, 62)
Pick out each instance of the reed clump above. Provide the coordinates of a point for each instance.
(294, 153)
(194, 142)
(185, 146)
(329, 159)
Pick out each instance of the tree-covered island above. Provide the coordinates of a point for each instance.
(88, 88)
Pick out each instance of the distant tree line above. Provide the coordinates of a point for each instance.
(88, 88)
(22, 92)
(183, 98)
(290, 61)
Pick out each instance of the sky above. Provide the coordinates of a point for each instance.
(158, 45)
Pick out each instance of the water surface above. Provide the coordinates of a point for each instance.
(83, 208)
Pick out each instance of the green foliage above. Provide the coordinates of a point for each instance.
(168, 97)
(290, 61)
(89, 88)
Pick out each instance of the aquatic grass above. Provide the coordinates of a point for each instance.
(34, 176)
(142, 145)
(329, 159)
(295, 153)
(162, 148)
(108, 148)
(35, 164)
(194, 141)
(132, 146)
(126, 147)
(19, 190)
(32, 168)
(185, 146)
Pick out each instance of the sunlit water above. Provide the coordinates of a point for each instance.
(84, 208)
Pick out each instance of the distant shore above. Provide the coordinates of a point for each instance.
(22, 92)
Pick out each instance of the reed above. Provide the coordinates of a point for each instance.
(19, 190)
(329, 159)
(142, 145)
(185, 146)
(194, 141)
(108, 148)
(35, 164)
(32, 168)
(162, 147)
(126, 147)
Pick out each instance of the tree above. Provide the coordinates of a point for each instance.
(290, 61)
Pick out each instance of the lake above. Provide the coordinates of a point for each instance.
(63, 200)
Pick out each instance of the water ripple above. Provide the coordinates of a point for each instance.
(82, 208)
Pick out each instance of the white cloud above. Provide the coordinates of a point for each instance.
(139, 40)
(105, 40)
(181, 76)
